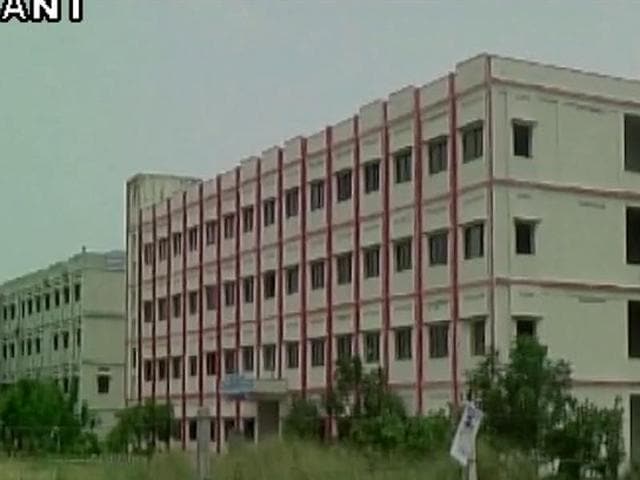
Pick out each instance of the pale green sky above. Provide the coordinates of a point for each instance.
(192, 86)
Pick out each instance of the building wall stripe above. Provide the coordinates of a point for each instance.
(386, 244)
(356, 233)
(183, 424)
(258, 275)
(303, 267)
(154, 308)
(169, 310)
(328, 136)
(491, 204)
(139, 333)
(218, 246)
(279, 282)
(238, 234)
(200, 295)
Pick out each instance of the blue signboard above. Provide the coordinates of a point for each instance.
(237, 385)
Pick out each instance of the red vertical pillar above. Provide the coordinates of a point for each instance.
(303, 267)
(258, 274)
(279, 273)
(329, 265)
(386, 263)
(183, 435)
(139, 299)
(238, 284)
(200, 295)
(169, 312)
(218, 234)
(154, 300)
(356, 234)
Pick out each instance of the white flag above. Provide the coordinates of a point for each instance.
(464, 442)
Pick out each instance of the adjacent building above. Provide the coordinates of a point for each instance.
(502, 199)
(67, 322)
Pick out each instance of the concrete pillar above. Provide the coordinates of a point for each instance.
(203, 438)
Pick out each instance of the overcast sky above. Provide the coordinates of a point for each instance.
(192, 86)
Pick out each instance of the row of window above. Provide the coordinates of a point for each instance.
(41, 302)
(30, 346)
(229, 425)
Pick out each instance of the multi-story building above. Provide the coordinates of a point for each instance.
(67, 322)
(502, 199)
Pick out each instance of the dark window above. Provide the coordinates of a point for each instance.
(317, 274)
(177, 244)
(177, 367)
(229, 361)
(317, 352)
(229, 225)
(229, 427)
(632, 143)
(193, 302)
(77, 288)
(65, 340)
(193, 429)
(249, 429)
(403, 343)
(402, 250)
(344, 347)
(269, 280)
(67, 297)
(163, 247)
(438, 248)
(162, 368)
(525, 327)
(163, 311)
(229, 294)
(29, 347)
(210, 232)
(193, 365)
(38, 304)
(134, 357)
(103, 384)
(247, 288)
(30, 306)
(343, 185)
(316, 193)
(193, 239)
(148, 311)
(47, 302)
(439, 340)
(343, 265)
(522, 134)
(65, 385)
(372, 347)
(437, 155)
(402, 163)
(37, 345)
(478, 337)
(292, 274)
(372, 262)
(78, 337)
(372, 176)
(472, 142)
(293, 355)
(474, 241)
(211, 294)
(148, 253)
(247, 219)
(247, 358)
(291, 202)
(269, 357)
(148, 370)
(633, 235)
(269, 214)
(525, 237)
(211, 363)
(177, 305)
(633, 323)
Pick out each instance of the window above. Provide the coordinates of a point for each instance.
(38, 345)
(229, 294)
(163, 247)
(472, 142)
(162, 309)
(269, 279)
(269, 357)
(67, 297)
(343, 183)
(38, 303)
(343, 265)
(293, 357)
(633, 235)
(317, 274)
(134, 357)
(317, 352)
(77, 288)
(30, 306)
(103, 384)
(193, 365)
(247, 289)
(47, 303)
(437, 155)
(229, 225)
(402, 250)
(176, 364)
(148, 311)
(316, 194)
(632, 143)
(439, 340)
(193, 302)
(210, 232)
(438, 248)
(292, 279)
(402, 163)
(478, 337)
(177, 305)
(474, 241)
(193, 239)
(162, 369)
(291, 202)
(269, 211)
(148, 370)
(193, 429)
(372, 176)
(372, 262)
(211, 363)
(525, 237)
(247, 219)
(229, 362)
(522, 134)
(78, 338)
(65, 385)
(633, 328)
(344, 347)
(177, 244)
(247, 358)
(525, 327)
(148, 253)
(211, 296)
(29, 347)
(403, 343)
(372, 347)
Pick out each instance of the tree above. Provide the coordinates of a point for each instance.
(140, 427)
(303, 420)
